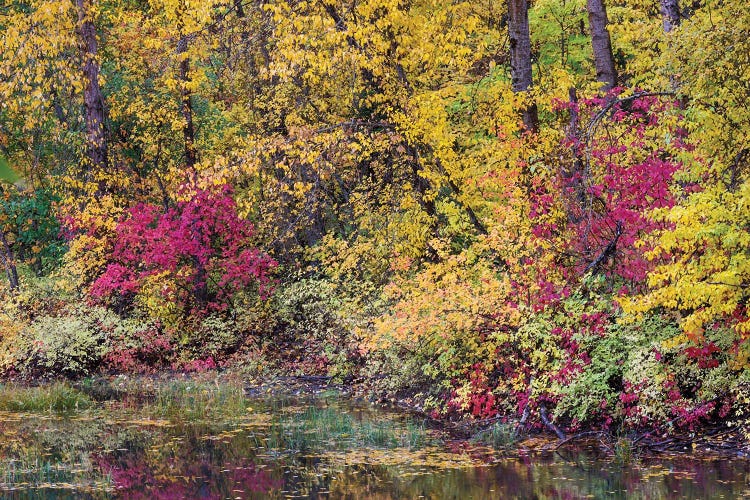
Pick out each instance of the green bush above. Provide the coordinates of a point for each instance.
(639, 373)
(214, 336)
(30, 218)
(137, 344)
(69, 345)
(311, 329)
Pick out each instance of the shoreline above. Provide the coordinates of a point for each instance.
(712, 441)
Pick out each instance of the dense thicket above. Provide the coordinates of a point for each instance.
(506, 208)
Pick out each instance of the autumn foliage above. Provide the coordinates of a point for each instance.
(199, 252)
(385, 191)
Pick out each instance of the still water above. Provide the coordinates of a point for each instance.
(189, 439)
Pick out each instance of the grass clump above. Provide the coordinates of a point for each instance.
(196, 400)
(624, 451)
(499, 435)
(56, 397)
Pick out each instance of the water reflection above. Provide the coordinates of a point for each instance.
(323, 447)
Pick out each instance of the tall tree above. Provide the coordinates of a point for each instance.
(602, 44)
(186, 105)
(670, 15)
(92, 93)
(520, 57)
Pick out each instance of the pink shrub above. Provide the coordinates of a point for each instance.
(202, 244)
(613, 182)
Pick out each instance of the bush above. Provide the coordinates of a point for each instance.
(40, 296)
(204, 343)
(193, 259)
(622, 360)
(69, 345)
(313, 334)
(137, 345)
(646, 372)
(30, 222)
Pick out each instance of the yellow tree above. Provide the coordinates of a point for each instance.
(41, 81)
(707, 275)
(358, 98)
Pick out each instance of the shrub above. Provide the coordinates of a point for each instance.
(206, 342)
(30, 222)
(40, 296)
(69, 345)
(192, 258)
(137, 345)
(646, 372)
(311, 329)
(621, 360)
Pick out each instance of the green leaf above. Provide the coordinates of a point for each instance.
(6, 171)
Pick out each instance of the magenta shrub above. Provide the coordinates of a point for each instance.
(202, 244)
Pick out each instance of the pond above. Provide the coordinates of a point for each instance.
(147, 438)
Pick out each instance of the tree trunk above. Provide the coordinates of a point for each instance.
(9, 261)
(92, 93)
(520, 57)
(188, 130)
(670, 13)
(574, 177)
(601, 43)
(239, 9)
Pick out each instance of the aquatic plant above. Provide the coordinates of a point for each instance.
(53, 397)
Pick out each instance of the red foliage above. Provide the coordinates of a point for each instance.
(203, 245)
(141, 353)
(629, 399)
(613, 183)
(197, 365)
(704, 355)
(480, 402)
